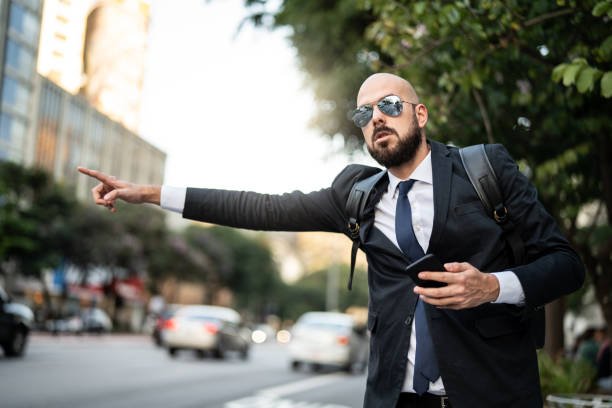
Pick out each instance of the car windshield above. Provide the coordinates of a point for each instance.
(328, 326)
(207, 319)
(326, 321)
(209, 312)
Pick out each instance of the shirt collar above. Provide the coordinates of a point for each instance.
(422, 173)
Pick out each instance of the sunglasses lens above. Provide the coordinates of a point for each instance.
(390, 105)
(362, 116)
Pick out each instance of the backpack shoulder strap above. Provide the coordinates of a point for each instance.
(485, 182)
(483, 178)
(355, 205)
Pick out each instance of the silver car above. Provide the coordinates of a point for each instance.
(204, 329)
(328, 339)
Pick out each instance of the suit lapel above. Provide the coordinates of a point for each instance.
(441, 165)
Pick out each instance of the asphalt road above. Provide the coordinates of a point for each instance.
(129, 371)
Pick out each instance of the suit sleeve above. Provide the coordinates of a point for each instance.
(322, 210)
(553, 268)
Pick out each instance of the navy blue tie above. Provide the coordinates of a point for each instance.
(425, 364)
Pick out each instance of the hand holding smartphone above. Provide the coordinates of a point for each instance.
(427, 263)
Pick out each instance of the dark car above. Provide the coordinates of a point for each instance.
(15, 324)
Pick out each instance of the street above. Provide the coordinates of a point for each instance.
(130, 371)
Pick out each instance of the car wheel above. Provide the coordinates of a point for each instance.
(295, 365)
(361, 367)
(200, 354)
(219, 352)
(348, 368)
(15, 347)
(172, 351)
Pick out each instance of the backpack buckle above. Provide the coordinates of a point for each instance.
(500, 214)
(353, 228)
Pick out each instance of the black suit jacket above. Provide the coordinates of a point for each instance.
(486, 354)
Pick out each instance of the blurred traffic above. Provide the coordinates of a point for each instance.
(16, 322)
(328, 338)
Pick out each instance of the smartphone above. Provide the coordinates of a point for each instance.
(427, 263)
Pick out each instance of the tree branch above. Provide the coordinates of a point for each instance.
(547, 16)
(485, 115)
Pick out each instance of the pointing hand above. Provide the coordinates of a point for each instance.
(110, 189)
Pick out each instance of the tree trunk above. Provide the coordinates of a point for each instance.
(555, 311)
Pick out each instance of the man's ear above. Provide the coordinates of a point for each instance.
(421, 114)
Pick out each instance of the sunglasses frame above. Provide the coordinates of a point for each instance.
(399, 103)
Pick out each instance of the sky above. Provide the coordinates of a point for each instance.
(230, 109)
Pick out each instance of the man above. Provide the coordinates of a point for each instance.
(467, 344)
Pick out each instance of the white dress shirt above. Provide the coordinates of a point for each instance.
(421, 203)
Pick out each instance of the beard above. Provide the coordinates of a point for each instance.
(403, 152)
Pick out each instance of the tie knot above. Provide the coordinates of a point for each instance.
(405, 186)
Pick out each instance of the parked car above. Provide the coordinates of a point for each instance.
(90, 320)
(160, 321)
(204, 328)
(15, 324)
(95, 320)
(328, 339)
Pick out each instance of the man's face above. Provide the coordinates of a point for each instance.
(389, 147)
(390, 140)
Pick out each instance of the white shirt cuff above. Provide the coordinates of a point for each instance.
(173, 198)
(510, 289)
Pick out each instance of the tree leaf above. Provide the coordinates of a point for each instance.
(557, 74)
(606, 85)
(602, 8)
(606, 48)
(570, 73)
(586, 79)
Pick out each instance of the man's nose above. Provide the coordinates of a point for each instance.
(378, 118)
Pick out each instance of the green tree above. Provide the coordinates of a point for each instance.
(309, 293)
(33, 216)
(532, 74)
(34, 219)
(243, 263)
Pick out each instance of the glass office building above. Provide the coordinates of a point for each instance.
(19, 32)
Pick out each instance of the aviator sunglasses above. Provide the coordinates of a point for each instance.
(390, 105)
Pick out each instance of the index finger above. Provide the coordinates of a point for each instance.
(104, 178)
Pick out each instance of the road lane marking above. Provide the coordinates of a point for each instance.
(302, 385)
(271, 397)
(271, 401)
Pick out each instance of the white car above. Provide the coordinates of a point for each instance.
(328, 338)
(205, 328)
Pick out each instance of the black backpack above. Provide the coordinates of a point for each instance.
(483, 178)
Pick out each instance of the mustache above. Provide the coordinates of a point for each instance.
(380, 129)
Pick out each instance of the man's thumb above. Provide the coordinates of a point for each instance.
(112, 195)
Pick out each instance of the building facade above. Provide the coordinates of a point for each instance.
(19, 33)
(51, 122)
(97, 48)
(69, 132)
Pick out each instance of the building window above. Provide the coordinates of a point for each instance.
(16, 95)
(33, 4)
(25, 23)
(12, 135)
(19, 58)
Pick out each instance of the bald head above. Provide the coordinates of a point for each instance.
(379, 85)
